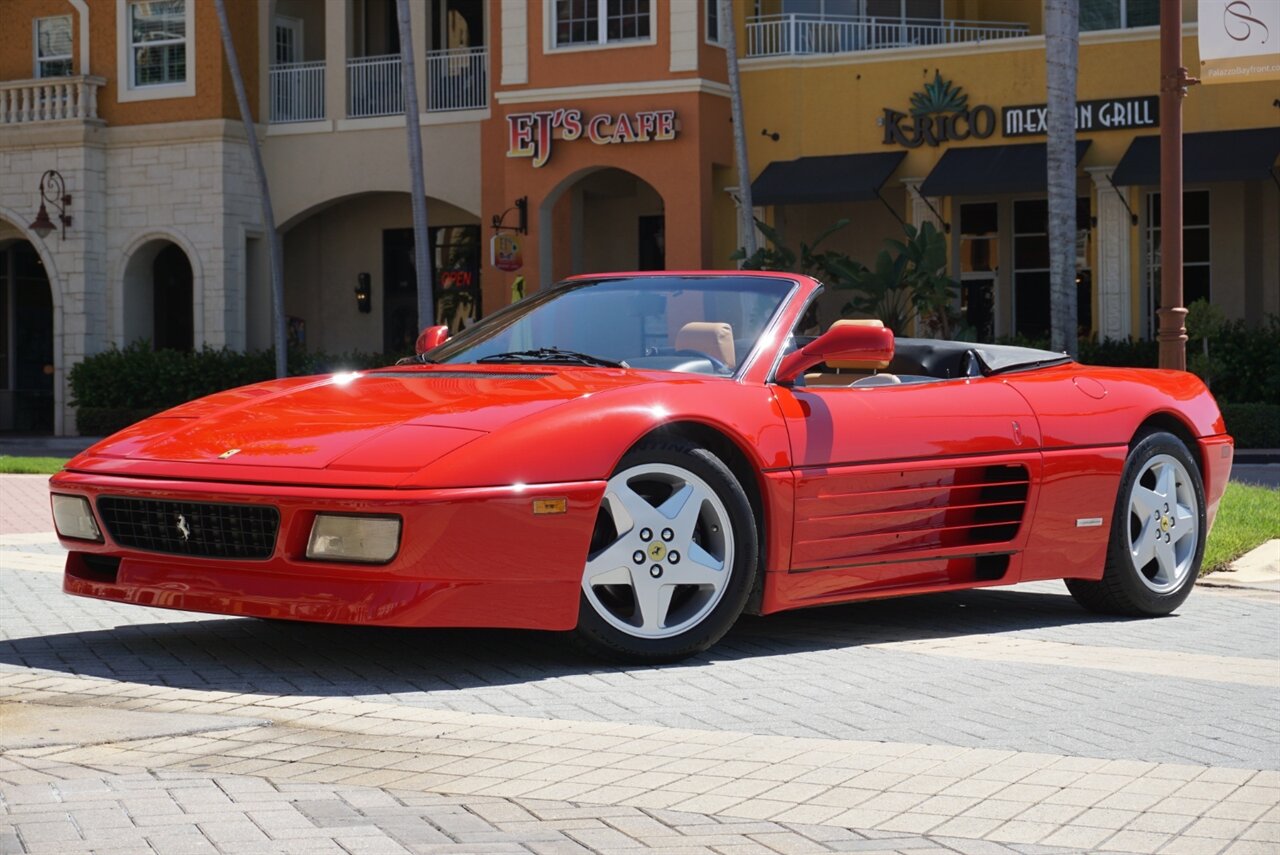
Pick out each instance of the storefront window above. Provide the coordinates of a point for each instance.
(1195, 252)
(53, 46)
(1031, 313)
(1118, 14)
(979, 265)
(586, 22)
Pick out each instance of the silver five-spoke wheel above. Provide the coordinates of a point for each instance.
(668, 557)
(1157, 532)
(1163, 523)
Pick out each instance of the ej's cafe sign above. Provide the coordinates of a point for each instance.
(530, 134)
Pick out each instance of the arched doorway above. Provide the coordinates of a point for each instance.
(350, 281)
(159, 296)
(601, 220)
(26, 340)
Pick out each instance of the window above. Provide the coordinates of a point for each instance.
(1195, 252)
(1031, 268)
(158, 42)
(1118, 14)
(713, 21)
(53, 46)
(592, 22)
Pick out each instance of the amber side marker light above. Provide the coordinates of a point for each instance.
(550, 506)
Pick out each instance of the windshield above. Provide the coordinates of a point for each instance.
(705, 325)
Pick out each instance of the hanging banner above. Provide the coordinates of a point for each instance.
(504, 253)
(1239, 40)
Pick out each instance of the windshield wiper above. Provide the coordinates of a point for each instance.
(552, 354)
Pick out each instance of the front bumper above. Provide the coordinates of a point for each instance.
(468, 557)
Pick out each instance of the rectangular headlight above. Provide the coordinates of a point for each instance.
(367, 539)
(73, 517)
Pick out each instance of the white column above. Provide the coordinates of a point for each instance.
(515, 42)
(684, 34)
(1112, 265)
(337, 20)
(920, 212)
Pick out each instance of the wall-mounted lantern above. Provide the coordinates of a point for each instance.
(364, 293)
(54, 191)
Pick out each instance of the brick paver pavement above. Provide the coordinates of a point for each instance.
(24, 504)
(1001, 721)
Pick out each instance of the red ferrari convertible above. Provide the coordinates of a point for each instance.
(640, 458)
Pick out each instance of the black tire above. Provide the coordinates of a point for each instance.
(1122, 590)
(600, 638)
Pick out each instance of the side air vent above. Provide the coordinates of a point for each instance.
(459, 375)
(867, 518)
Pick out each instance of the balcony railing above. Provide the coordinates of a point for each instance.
(50, 99)
(297, 92)
(374, 86)
(802, 34)
(457, 79)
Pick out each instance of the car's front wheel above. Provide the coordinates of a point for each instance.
(1157, 533)
(673, 556)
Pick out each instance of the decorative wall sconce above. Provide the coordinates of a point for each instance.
(53, 189)
(364, 293)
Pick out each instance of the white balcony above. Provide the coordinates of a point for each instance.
(457, 79)
(51, 99)
(797, 34)
(297, 92)
(374, 86)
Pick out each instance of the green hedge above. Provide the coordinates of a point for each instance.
(1253, 425)
(116, 388)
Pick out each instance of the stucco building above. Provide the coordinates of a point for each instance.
(607, 123)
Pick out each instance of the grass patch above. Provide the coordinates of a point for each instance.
(1248, 517)
(30, 465)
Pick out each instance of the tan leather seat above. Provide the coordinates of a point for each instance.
(713, 339)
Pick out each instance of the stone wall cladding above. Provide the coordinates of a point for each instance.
(192, 184)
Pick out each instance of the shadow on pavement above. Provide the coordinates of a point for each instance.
(247, 655)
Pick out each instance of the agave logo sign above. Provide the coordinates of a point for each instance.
(939, 113)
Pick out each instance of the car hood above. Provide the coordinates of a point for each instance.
(391, 420)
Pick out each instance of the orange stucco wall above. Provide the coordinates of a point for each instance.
(214, 96)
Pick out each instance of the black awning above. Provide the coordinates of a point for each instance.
(834, 178)
(993, 169)
(1206, 157)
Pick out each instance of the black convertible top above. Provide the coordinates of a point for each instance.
(935, 358)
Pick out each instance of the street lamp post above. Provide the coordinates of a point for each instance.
(1173, 88)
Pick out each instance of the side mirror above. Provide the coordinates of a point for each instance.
(431, 337)
(850, 343)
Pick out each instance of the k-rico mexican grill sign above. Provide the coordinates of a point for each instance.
(940, 113)
(531, 134)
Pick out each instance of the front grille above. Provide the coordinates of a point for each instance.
(200, 529)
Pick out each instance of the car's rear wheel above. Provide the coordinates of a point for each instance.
(1157, 533)
(673, 556)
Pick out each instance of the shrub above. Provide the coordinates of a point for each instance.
(1253, 425)
(116, 388)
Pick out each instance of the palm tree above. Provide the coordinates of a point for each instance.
(1061, 54)
(268, 215)
(729, 39)
(417, 183)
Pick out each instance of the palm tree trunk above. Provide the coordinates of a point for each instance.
(746, 217)
(417, 182)
(268, 215)
(1061, 53)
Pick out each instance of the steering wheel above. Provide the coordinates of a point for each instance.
(715, 363)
